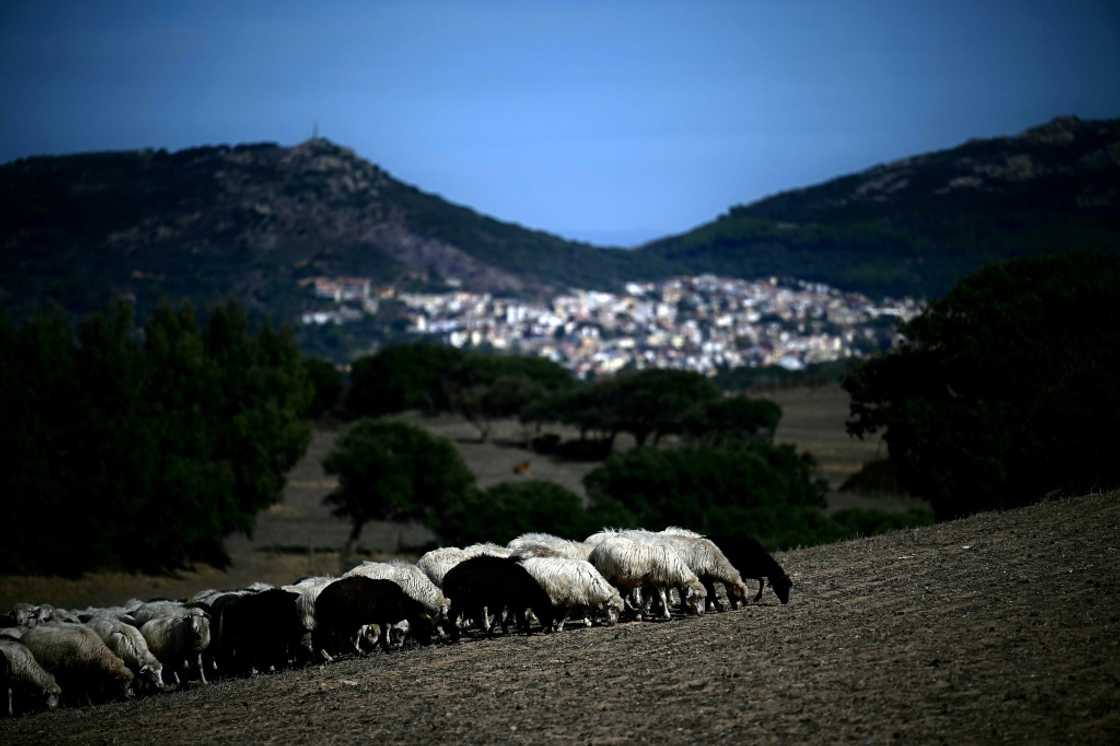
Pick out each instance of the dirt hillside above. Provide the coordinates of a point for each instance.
(1000, 627)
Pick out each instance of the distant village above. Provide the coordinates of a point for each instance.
(702, 323)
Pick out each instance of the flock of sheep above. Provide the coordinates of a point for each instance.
(101, 654)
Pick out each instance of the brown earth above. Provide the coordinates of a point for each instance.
(999, 627)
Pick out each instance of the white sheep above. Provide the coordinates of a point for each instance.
(701, 555)
(547, 545)
(308, 590)
(437, 562)
(79, 660)
(629, 564)
(412, 580)
(574, 584)
(29, 615)
(145, 611)
(129, 645)
(710, 565)
(27, 678)
(178, 641)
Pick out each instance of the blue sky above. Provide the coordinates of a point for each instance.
(611, 121)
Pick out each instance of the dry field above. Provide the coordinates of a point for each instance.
(999, 627)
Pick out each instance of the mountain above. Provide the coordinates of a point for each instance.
(917, 225)
(251, 221)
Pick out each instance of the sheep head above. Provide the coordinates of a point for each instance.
(782, 586)
(695, 597)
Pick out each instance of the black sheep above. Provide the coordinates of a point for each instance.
(491, 584)
(257, 630)
(348, 604)
(753, 562)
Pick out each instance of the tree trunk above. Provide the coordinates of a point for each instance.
(348, 546)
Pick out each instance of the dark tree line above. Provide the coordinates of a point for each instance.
(143, 449)
(1005, 390)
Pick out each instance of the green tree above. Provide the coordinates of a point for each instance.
(399, 378)
(487, 387)
(510, 509)
(326, 383)
(392, 471)
(1003, 391)
(732, 418)
(748, 488)
(143, 450)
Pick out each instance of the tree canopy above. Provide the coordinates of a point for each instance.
(143, 448)
(394, 471)
(1005, 390)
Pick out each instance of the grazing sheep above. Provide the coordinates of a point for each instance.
(629, 564)
(412, 581)
(129, 645)
(213, 605)
(308, 590)
(486, 583)
(6, 684)
(29, 684)
(119, 613)
(145, 611)
(179, 641)
(29, 615)
(754, 562)
(574, 584)
(347, 604)
(437, 562)
(79, 660)
(547, 545)
(258, 631)
(705, 559)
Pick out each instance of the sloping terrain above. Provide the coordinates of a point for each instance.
(250, 222)
(999, 627)
(918, 225)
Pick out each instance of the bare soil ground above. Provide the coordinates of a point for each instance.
(999, 627)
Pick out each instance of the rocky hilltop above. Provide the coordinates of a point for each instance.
(915, 226)
(251, 221)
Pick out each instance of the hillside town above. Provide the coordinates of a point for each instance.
(702, 323)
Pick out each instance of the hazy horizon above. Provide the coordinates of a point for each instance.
(614, 124)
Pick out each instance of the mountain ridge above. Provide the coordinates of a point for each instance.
(253, 220)
(920, 223)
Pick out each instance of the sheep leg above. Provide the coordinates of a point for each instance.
(202, 670)
(486, 620)
(712, 601)
(664, 604)
(11, 712)
(559, 626)
(761, 585)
